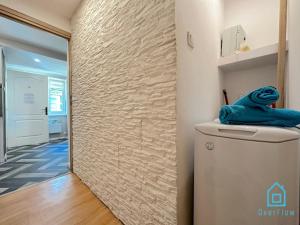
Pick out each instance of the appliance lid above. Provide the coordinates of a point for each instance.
(251, 133)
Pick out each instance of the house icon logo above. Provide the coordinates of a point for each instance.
(276, 196)
(276, 203)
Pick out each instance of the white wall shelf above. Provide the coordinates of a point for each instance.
(266, 55)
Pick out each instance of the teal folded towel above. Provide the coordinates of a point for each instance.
(266, 116)
(259, 98)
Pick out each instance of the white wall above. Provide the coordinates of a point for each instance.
(259, 18)
(294, 54)
(43, 14)
(198, 86)
(239, 83)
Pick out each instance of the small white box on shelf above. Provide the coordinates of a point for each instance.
(232, 38)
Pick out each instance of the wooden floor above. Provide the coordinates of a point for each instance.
(64, 200)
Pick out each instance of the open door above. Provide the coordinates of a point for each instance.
(2, 108)
(27, 109)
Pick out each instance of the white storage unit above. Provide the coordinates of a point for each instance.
(246, 175)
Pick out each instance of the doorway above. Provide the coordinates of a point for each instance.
(35, 123)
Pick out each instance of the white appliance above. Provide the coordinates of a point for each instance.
(246, 175)
(232, 38)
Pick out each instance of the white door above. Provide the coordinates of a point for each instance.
(2, 143)
(27, 102)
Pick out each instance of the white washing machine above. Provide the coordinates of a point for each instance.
(246, 175)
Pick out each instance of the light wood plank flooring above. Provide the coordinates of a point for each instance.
(64, 200)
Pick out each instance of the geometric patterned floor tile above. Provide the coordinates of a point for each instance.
(35, 175)
(3, 190)
(29, 183)
(2, 169)
(28, 165)
(18, 169)
(32, 160)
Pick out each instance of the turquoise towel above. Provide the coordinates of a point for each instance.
(266, 116)
(259, 98)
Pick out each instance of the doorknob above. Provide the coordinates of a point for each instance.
(46, 111)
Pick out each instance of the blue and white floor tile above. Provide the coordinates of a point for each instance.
(28, 165)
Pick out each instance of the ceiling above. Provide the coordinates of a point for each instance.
(32, 49)
(63, 8)
(27, 35)
(24, 45)
(35, 63)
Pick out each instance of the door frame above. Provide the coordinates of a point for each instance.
(36, 23)
(3, 95)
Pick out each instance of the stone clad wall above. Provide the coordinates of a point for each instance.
(124, 106)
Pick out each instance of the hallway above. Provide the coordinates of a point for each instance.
(64, 200)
